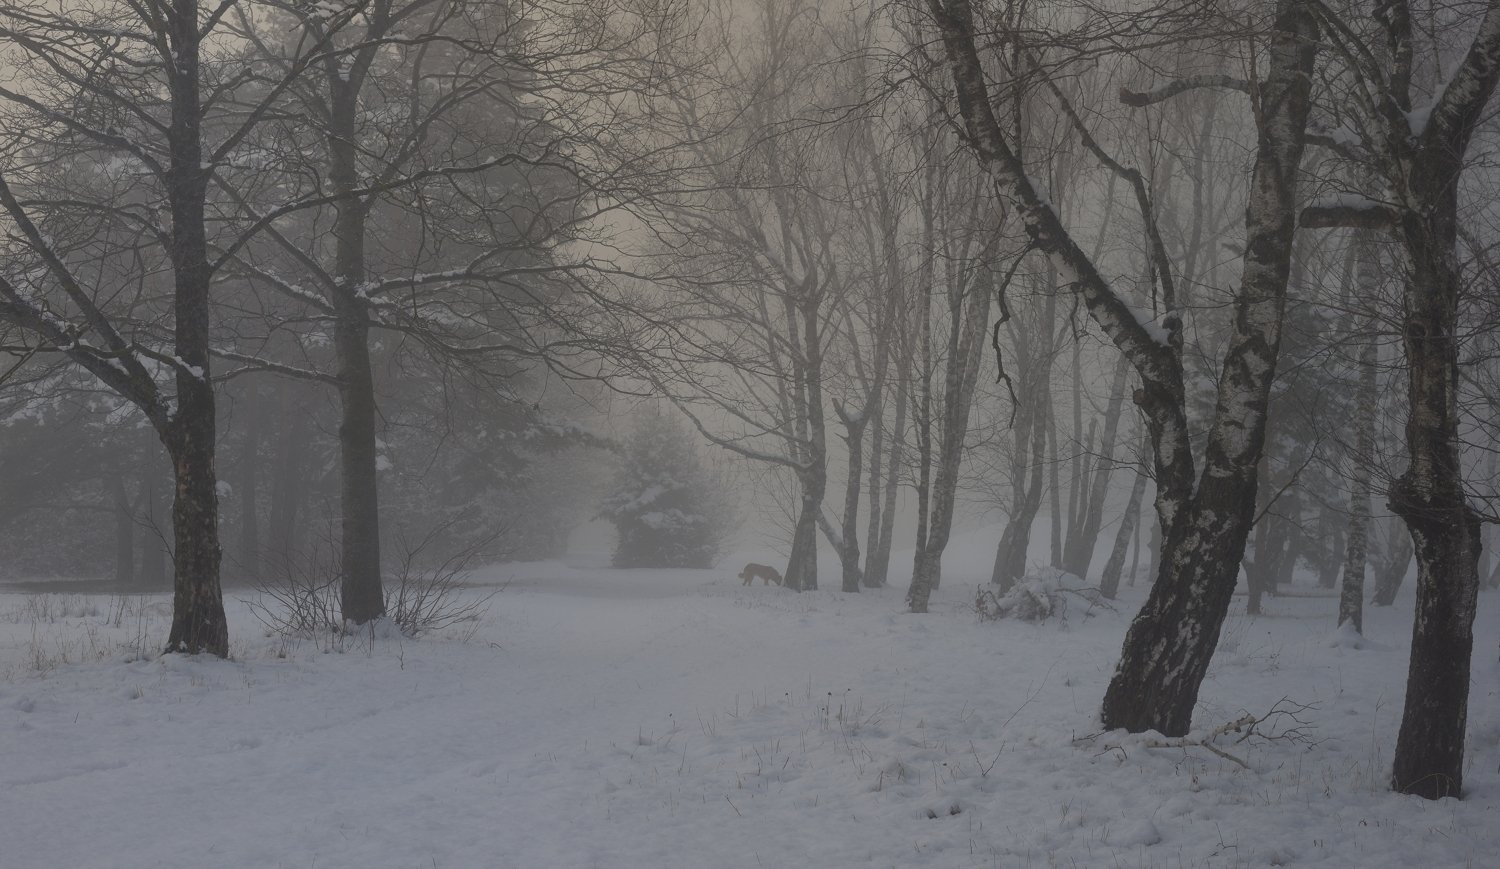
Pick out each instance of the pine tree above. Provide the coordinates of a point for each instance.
(666, 506)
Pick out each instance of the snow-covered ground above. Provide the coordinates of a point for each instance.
(677, 719)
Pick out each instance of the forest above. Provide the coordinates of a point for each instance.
(1143, 339)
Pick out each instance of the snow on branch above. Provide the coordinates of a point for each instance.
(1139, 99)
(1354, 212)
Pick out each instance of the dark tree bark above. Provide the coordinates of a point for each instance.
(1172, 639)
(198, 622)
(362, 596)
(1204, 529)
(1419, 162)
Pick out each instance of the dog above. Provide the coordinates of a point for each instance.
(752, 571)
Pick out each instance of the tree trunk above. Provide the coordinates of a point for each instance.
(1015, 540)
(1429, 496)
(1109, 580)
(1135, 556)
(1172, 640)
(1078, 555)
(877, 565)
(288, 485)
(1394, 563)
(1055, 538)
(361, 593)
(966, 324)
(154, 555)
(124, 533)
(1261, 564)
(874, 493)
(1205, 525)
(250, 490)
(802, 563)
(198, 622)
(849, 552)
(1352, 592)
(1332, 546)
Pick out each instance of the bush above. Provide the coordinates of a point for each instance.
(304, 600)
(667, 508)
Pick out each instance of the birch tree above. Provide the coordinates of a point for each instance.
(1205, 520)
(1413, 146)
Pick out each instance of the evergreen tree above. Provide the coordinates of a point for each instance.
(666, 506)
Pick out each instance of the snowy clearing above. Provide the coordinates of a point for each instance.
(600, 718)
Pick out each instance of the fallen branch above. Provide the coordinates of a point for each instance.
(1283, 722)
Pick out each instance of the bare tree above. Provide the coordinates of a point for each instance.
(451, 150)
(1205, 521)
(125, 90)
(1416, 151)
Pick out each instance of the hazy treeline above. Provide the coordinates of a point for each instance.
(1204, 288)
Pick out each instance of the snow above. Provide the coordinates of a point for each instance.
(642, 718)
(1154, 325)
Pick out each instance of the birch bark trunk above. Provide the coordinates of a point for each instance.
(1169, 644)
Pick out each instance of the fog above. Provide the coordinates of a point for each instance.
(349, 314)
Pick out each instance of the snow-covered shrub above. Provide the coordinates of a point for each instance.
(667, 507)
(1039, 595)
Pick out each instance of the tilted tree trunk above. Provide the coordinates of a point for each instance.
(1171, 641)
(1169, 644)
